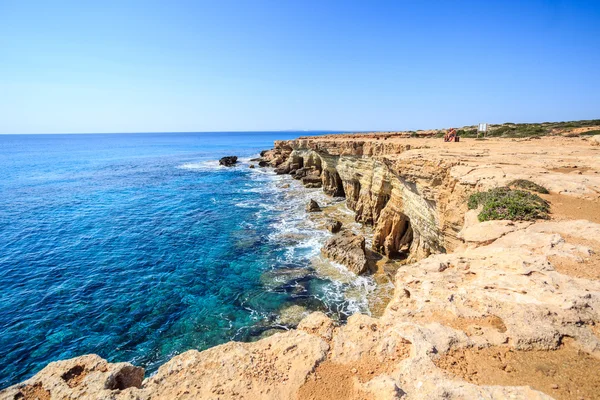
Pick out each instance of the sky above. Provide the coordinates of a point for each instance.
(174, 66)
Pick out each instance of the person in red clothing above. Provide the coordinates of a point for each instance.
(450, 135)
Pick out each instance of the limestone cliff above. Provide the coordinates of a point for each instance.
(402, 194)
(414, 191)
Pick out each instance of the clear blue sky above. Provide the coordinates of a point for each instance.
(140, 66)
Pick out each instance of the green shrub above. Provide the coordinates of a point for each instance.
(467, 133)
(590, 133)
(528, 185)
(517, 131)
(505, 203)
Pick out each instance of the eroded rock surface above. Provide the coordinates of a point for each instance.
(273, 368)
(348, 249)
(86, 377)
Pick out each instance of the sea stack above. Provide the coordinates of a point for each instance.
(228, 161)
(313, 206)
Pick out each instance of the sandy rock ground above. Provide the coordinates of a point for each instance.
(513, 312)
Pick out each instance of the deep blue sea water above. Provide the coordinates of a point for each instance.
(138, 247)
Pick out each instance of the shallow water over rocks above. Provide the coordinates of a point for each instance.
(139, 247)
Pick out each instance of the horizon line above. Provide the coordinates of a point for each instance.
(231, 131)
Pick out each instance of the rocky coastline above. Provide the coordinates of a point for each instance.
(493, 310)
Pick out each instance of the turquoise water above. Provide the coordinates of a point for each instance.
(138, 247)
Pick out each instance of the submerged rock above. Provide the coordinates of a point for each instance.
(334, 226)
(292, 315)
(313, 206)
(228, 161)
(348, 249)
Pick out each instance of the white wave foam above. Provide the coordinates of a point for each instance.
(245, 204)
(244, 160)
(290, 227)
(304, 241)
(211, 165)
(202, 165)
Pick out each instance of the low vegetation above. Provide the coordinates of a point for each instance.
(469, 133)
(542, 129)
(518, 130)
(528, 185)
(513, 130)
(506, 203)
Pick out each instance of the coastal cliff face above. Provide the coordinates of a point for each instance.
(412, 202)
(488, 310)
(414, 192)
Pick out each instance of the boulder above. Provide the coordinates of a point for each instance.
(274, 156)
(312, 181)
(84, 377)
(228, 161)
(334, 226)
(282, 169)
(251, 166)
(277, 161)
(347, 249)
(263, 163)
(301, 172)
(313, 206)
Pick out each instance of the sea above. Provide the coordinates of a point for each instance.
(138, 247)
